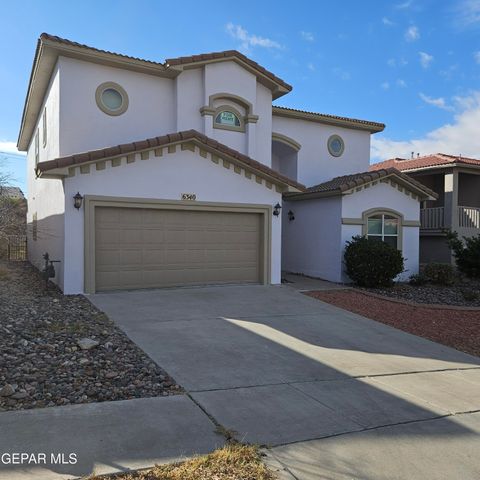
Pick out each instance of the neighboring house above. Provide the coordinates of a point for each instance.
(456, 180)
(11, 192)
(180, 171)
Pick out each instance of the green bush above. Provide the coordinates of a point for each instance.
(467, 253)
(440, 273)
(417, 279)
(372, 263)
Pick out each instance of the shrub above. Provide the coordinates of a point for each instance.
(372, 263)
(440, 273)
(467, 253)
(417, 280)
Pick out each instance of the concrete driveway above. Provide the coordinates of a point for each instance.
(308, 379)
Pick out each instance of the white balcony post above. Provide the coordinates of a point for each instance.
(451, 199)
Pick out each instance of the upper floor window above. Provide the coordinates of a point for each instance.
(335, 145)
(44, 127)
(37, 148)
(384, 227)
(111, 98)
(228, 118)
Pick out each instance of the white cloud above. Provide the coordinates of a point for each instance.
(8, 147)
(436, 102)
(457, 137)
(250, 40)
(385, 85)
(387, 22)
(311, 66)
(341, 74)
(425, 59)
(404, 5)
(393, 62)
(467, 13)
(307, 36)
(476, 56)
(401, 83)
(412, 33)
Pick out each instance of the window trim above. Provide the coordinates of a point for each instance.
(384, 211)
(229, 108)
(114, 86)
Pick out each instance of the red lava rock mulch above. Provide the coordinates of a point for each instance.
(459, 329)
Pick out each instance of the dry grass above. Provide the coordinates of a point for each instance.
(232, 462)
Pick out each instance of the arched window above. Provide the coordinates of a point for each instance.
(228, 117)
(385, 226)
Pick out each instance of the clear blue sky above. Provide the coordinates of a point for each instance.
(412, 64)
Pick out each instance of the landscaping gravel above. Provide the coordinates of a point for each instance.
(60, 350)
(456, 328)
(435, 294)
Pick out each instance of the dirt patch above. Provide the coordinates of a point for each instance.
(459, 329)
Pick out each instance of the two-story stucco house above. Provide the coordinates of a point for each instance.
(145, 174)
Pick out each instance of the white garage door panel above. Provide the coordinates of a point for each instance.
(145, 248)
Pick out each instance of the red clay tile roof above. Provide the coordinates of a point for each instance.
(149, 143)
(206, 57)
(368, 125)
(338, 185)
(54, 38)
(434, 160)
(172, 62)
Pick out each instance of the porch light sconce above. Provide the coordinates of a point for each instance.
(77, 201)
(291, 216)
(276, 209)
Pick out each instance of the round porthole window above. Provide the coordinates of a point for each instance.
(336, 146)
(111, 98)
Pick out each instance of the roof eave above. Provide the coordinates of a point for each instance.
(47, 170)
(442, 166)
(371, 127)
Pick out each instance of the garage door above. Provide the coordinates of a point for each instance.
(147, 248)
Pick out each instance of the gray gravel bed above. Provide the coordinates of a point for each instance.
(60, 350)
(435, 294)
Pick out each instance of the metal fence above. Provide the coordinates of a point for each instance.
(17, 248)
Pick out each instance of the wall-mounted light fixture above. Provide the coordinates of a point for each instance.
(276, 209)
(291, 216)
(77, 201)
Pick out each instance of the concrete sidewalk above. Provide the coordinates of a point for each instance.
(106, 437)
(439, 449)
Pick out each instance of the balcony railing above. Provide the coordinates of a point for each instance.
(432, 218)
(469, 217)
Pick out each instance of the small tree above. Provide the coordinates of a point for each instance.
(12, 213)
(372, 263)
(466, 253)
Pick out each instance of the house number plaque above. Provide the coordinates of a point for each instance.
(189, 196)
